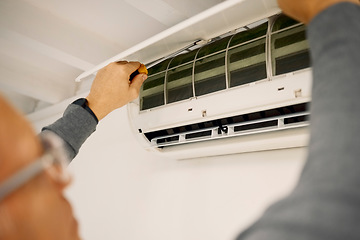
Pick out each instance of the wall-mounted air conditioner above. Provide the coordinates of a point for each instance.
(243, 91)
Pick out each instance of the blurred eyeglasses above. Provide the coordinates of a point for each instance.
(54, 161)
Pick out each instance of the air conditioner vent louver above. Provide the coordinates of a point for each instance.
(258, 122)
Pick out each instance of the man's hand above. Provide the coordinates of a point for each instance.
(305, 10)
(112, 89)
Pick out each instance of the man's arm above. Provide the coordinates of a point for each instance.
(110, 90)
(76, 125)
(325, 203)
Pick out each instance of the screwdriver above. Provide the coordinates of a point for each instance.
(141, 69)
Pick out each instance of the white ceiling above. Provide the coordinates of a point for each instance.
(46, 44)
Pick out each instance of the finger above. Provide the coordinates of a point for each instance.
(132, 67)
(137, 82)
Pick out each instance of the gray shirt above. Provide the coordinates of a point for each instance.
(76, 125)
(326, 201)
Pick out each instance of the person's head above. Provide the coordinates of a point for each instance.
(36, 209)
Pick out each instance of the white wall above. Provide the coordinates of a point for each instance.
(122, 192)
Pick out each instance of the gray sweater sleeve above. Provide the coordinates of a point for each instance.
(326, 202)
(74, 128)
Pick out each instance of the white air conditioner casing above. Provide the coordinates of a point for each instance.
(158, 128)
(285, 90)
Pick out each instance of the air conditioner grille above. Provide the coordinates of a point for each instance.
(265, 124)
(251, 123)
